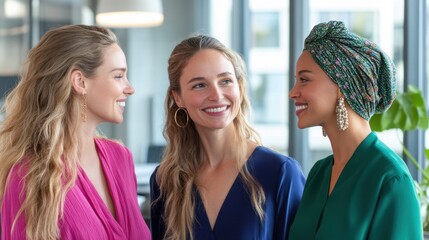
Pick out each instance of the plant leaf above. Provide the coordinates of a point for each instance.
(375, 122)
(427, 153)
(408, 112)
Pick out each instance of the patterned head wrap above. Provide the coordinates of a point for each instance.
(362, 71)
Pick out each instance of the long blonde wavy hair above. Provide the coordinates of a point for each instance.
(183, 156)
(42, 114)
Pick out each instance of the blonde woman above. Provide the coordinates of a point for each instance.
(216, 181)
(57, 179)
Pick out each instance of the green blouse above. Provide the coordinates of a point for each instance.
(374, 198)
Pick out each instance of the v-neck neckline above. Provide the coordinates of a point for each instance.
(350, 165)
(108, 179)
(227, 197)
(219, 215)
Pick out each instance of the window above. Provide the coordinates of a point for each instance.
(14, 38)
(427, 75)
(265, 29)
(18, 32)
(380, 21)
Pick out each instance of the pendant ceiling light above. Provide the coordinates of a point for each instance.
(129, 13)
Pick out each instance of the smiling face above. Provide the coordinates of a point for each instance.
(108, 90)
(314, 93)
(209, 90)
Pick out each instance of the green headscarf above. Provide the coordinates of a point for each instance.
(362, 71)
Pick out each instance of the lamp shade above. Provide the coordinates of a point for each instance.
(129, 13)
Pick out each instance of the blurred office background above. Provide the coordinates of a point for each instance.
(268, 34)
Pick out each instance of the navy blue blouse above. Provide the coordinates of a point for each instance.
(283, 183)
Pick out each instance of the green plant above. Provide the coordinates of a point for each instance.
(408, 112)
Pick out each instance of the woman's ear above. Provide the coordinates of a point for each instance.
(78, 82)
(177, 98)
(339, 93)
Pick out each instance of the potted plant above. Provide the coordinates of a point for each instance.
(408, 112)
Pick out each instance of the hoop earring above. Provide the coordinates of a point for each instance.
(83, 107)
(187, 117)
(342, 115)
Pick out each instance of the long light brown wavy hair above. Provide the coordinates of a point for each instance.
(42, 114)
(183, 156)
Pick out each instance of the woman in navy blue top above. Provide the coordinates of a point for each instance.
(216, 181)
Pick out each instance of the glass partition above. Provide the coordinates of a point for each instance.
(22, 23)
(268, 55)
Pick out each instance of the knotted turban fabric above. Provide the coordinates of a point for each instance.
(363, 72)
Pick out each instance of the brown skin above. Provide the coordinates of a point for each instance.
(316, 96)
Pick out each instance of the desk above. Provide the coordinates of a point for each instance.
(143, 173)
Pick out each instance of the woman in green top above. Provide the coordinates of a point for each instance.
(364, 190)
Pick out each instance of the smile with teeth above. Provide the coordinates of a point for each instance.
(301, 107)
(121, 104)
(214, 110)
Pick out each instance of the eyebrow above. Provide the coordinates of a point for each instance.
(119, 69)
(224, 74)
(305, 71)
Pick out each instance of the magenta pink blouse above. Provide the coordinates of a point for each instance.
(85, 214)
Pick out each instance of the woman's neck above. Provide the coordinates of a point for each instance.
(86, 143)
(219, 145)
(344, 144)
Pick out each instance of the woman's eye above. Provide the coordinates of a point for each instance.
(303, 80)
(118, 77)
(198, 86)
(226, 81)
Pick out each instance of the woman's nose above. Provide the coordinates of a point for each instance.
(129, 90)
(293, 93)
(215, 93)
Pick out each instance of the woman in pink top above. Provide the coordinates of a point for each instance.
(57, 179)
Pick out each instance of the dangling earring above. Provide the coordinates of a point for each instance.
(187, 117)
(323, 132)
(342, 115)
(83, 107)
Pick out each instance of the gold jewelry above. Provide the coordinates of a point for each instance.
(83, 107)
(187, 118)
